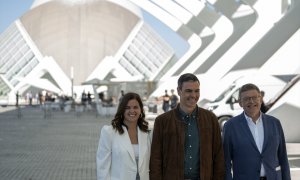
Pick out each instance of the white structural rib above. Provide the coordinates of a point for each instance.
(188, 21)
(47, 65)
(195, 44)
(281, 44)
(287, 110)
(176, 25)
(264, 23)
(257, 58)
(290, 53)
(226, 25)
(175, 10)
(223, 29)
(195, 8)
(242, 17)
(166, 18)
(162, 15)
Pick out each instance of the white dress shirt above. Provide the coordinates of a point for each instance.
(257, 130)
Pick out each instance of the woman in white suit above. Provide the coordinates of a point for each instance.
(124, 146)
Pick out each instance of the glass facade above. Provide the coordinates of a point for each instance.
(146, 54)
(16, 58)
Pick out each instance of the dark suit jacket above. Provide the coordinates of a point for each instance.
(242, 153)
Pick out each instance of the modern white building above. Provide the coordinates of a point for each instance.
(58, 45)
(236, 38)
(67, 43)
(243, 35)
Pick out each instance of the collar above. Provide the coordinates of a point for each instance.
(250, 120)
(186, 115)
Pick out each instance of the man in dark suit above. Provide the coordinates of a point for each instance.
(254, 143)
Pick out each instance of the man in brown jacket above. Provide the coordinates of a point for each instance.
(187, 141)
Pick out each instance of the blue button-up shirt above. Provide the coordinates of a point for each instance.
(192, 146)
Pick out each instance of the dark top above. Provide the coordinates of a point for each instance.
(191, 146)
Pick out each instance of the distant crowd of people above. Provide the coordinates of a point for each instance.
(39, 98)
(169, 101)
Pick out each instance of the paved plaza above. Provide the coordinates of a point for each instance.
(59, 146)
(39, 145)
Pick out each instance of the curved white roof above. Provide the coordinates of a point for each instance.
(80, 33)
(124, 3)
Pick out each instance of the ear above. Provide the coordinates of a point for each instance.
(261, 99)
(240, 103)
(178, 91)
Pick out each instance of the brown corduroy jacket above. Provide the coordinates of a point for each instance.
(167, 150)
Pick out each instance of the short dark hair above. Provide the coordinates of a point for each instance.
(185, 78)
(118, 120)
(247, 87)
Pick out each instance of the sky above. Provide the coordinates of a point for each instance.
(11, 10)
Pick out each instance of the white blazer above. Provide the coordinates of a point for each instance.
(115, 155)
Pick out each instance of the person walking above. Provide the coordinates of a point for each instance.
(254, 142)
(166, 101)
(17, 98)
(173, 99)
(186, 140)
(124, 146)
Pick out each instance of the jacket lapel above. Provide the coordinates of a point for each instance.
(143, 146)
(126, 143)
(247, 131)
(266, 132)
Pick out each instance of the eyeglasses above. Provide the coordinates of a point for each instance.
(248, 99)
